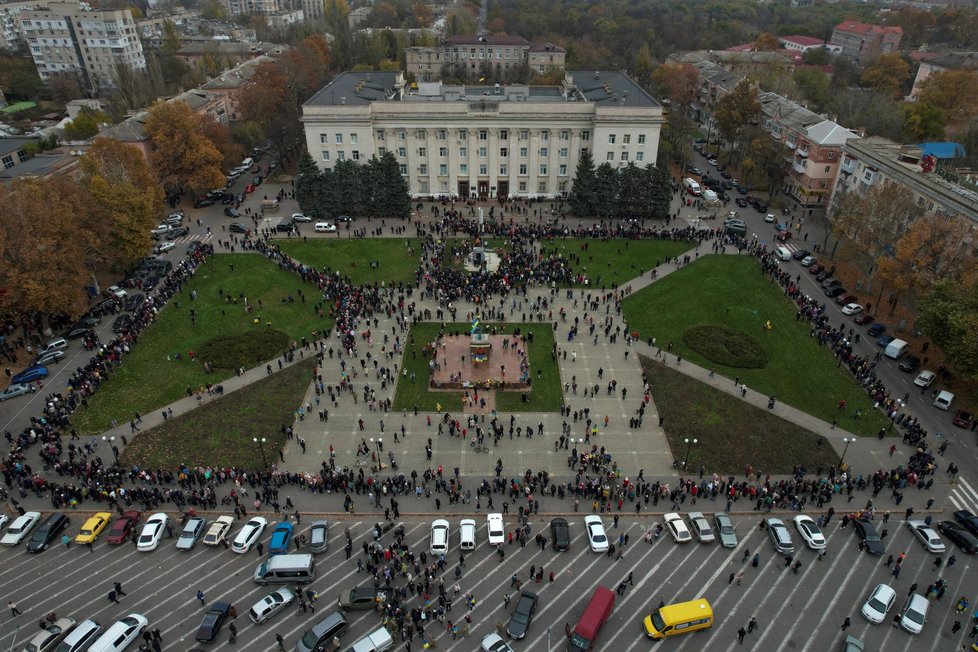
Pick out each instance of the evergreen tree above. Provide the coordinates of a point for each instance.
(394, 197)
(630, 192)
(344, 195)
(606, 190)
(309, 184)
(660, 191)
(582, 197)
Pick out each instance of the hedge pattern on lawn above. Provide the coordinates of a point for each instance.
(726, 346)
(243, 349)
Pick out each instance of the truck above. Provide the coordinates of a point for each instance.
(895, 349)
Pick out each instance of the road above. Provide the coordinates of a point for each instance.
(801, 612)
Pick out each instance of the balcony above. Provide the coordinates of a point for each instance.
(802, 151)
(799, 166)
(848, 166)
(790, 144)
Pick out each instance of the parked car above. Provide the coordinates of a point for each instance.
(560, 534)
(210, 625)
(152, 532)
(960, 536)
(963, 419)
(249, 534)
(281, 538)
(878, 604)
(876, 330)
(677, 528)
(133, 302)
(910, 364)
(495, 529)
(324, 227)
(270, 605)
(439, 537)
(968, 520)
(121, 323)
(20, 528)
(852, 309)
(237, 227)
(16, 390)
(121, 634)
(725, 530)
(809, 532)
(360, 597)
(863, 318)
(834, 291)
(163, 247)
(815, 268)
(867, 533)
(48, 357)
(522, 616)
(30, 375)
(318, 536)
(232, 212)
(191, 533)
(123, 529)
(596, 536)
(218, 531)
(846, 299)
(178, 232)
(203, 202)
(49, 637)
(47, 532)
(299, 217)
(926, 535)
(924, 378)
(914, 613)
(93, 527)
(701, 527)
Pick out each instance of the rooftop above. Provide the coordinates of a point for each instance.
(802, 40)
(954, 60)
(11, 145)
(605, 88)
(816, 128)
(472, 39)
(855, 27)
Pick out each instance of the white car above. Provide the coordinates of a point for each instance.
(494, 643)
(466, 534)
(117, 292)
(808, 261)
(852, 309)
(813, 536)
(677, 528)
(118, 637)
(769, 218)
(595, 533)
(20, 528)
(299, 217)
(325, 227)
(701, 527)
(249, 535)
(152, 533)
(924, 378)
(439, 537)
(914, 613)
(164, 247)
(161, 229)
(270, 605)
(218, 531)
(927, 535)
(497, 533)
(879, 603)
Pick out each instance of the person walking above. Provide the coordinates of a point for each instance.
(280, 641)
(752, 625)
(233, 633)
(260, 548)
(112, 598)
(846, 623)
(117, 587)
(14, 611)
(741, 633)
(200, 596)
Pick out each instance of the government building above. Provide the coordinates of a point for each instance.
(484, 141)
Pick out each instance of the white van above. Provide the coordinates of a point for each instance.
(286, 569)
(692, 187)
(895, 349)
(466, 534)
(439, 538)
(943, 400)
(81, 637)
(247, 163)
(376, 641)
(783, 253)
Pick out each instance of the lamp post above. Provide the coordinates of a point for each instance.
(111, 441)
(689, 447)
(847, 440)
(261, 447)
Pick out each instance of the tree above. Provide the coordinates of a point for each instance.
(816, 57)
(270, 104)
(679, 83)
(736, 110)
(813, 84)
(184, 158)
(661, 191)
(582, 197)
(125, 201)
(307, 66)
(922, 122)
(929, 251)
(949, 316)
(389, 191)
(344, 190)
(309, 187)
(85, 125)
(954, 92)
(606, 195)
(171, 38)
(220, 136)
(633, 199)
(887, 74)
(766, 42)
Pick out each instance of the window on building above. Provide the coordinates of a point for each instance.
(463, 168)
(545, 135)
(624, 156)
(522, 169)
(402, 151)
(831, 156)
(503, 152)
(544, 152)
(422, 152)
(543, 169)
(522, 186)
(483, 134)
(562, 170)
(442, 134)
(356, 154)
(353, 139)
(403, 169)
(504, 133)
(611, 139)
(402, 135)
(585, 135)
(325, 155)
(443, 169)
(563, 152)
(341, 155)
(483, 169)
(339, 139)
(483, 152)
(463, 134)
(503, 170)
(562, 186)
(564, 135)
(423, 169)
(828, 168)
(381, 135)
(626, 139)
(463, 152)
(639, 156)
(542, 187)
(524, 134)
(524, 152)
(323, 139)
(610, 156)
(381, 151)
(420, 134)
(641, 139)
(443, 152)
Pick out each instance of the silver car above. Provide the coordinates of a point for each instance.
(270, 605)
(725, 530)
(318, 536)
(192, 531)
(16, 390)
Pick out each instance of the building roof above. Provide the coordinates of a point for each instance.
(472, 39)
(746, 56)
(799, 39)
(238, 76)
(718, 76)
(130, 130)
(197, 48)
(829, 133)
(41, 165)
(941, 150)
(605, 88)
(546, 47)
(954, 60)
(867, 29)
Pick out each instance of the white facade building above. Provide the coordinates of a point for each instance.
(484, 141)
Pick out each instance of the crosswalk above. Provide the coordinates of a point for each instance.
(197, 237)
(963, 496)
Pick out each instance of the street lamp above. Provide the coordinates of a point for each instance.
(847, 440)
(111, 440)
(261, 447)
(689, 447)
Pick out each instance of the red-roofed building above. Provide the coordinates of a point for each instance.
(799, 43)
(865, 42)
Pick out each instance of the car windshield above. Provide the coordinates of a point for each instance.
(876, 605)
(309, 640)
(914, 616)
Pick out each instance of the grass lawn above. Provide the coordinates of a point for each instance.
(545, 396)
(608, 262)
(730, 291)
(221, 432)
(147, 381)
(731, 434)
(352, 257)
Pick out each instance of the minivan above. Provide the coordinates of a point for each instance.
(247, 163)
(679, 618)
(47, 532)
(780, 536)
(81, 637)
(783, 253)
(57, 344)
(286, 569)
(595, 615)
(322, 633)
(943, 400)
(376, 641)
(466, 533)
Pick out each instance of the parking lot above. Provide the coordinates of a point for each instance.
(800, 612)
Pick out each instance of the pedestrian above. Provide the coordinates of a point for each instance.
(233, 633)
(506, 601)
(14, 611)
(956, 626)
(731, 578)
(846, 623)
(112, 597)
(280, 641)
(260, 548)
(200, 596)
(752, 625)
(740, 577)
(233, 612)
(117, 587)
(741, 633)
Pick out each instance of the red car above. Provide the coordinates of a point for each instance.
(784, 236)
(963, 419)
(844, 299)
(250, 188)
(124, 528)
(816, 268)
(863, 318)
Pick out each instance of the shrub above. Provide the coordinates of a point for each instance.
(242, 350)
(725, 346)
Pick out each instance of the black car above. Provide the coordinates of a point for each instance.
(960, 536)
(178, 232)
(285, 227)
(344, 218)
(237, 227)
(192, 247)
(47, 532)
(151, 282)
(740, 201)
(876, 330)
(227, 199)
(121, 323)
(910, 364)
(134, 301)
(864, 530)
(360, 597)
(835, 291)
(213, 619)
(522, 616)
(761, 207)
(201, 203)
(78, 331)
(801, 253)
(560, 533)
(831, 283)
(232, 212)
(968, 520)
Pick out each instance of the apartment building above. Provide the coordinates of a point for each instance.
(865, 42)
(65, 38)
(485, 58)
(812, 148)
(484, 140)
(10, 30)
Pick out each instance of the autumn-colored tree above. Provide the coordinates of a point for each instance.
(125, 201)
(422, 14)
(766, 42)
(270, 104)
(922, 122)
(184, 158)
(887, 74)
(43, 268)
(307, 66)
(949, 316)
(679, 83)
(171, 38)
(954, 92)
(874, 218)
(930, 250)
(85, 125)
(220, 135)
(736, 110)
